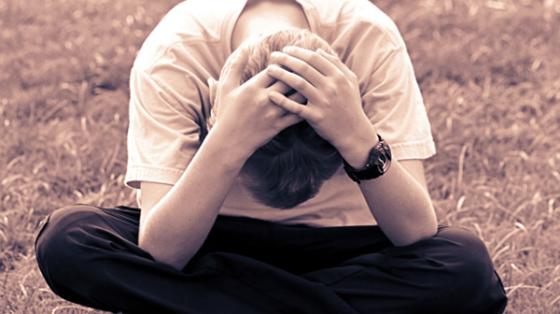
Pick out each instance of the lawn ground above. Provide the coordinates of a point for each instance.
(489, 72)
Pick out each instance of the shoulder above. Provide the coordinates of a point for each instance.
(188, 28)
(357, 16)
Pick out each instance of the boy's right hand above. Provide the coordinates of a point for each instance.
(245, 112)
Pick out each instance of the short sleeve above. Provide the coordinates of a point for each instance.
(394, 104)
(391, 96)
(164, 125)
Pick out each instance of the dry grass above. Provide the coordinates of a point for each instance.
(489, 71)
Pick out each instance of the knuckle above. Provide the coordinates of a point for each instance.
(313, 58)
(270, 115)
(299, 83)
(318, 117)
(340, 80)
(302, 69)
(280, 101)
(297, 109)
(325, 99)
(350, 80)
(248, 89)
(330, 92)
(261, 99)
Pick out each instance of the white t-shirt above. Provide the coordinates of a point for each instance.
(169, 101)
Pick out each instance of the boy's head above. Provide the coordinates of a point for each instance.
(291, 167)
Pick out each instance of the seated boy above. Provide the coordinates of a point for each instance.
(291, 182)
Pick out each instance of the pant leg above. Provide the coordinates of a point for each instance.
(449, 273)
(90, 256)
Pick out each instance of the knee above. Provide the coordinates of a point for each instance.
(56, 236)
(58, 246)
(465, 254)
(470, 271)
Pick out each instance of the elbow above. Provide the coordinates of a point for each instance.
(429, 227)
(429, 230)
(417, 235)
(420, 228)
(160, 252)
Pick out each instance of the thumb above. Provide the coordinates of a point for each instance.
(233, 70)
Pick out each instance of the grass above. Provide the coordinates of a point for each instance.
(489, 72)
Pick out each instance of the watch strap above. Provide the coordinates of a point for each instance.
(377, 164)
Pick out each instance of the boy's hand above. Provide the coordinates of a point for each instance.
(245, 112)
(334, 104)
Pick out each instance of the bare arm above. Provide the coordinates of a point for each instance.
(173, 228)
(401, 205)
(175, 221)
(399, 199)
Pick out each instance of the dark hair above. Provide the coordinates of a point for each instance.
(292, 166)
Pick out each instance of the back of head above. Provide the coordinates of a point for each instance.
(293, 165)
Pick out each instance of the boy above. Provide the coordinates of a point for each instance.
(245, 207)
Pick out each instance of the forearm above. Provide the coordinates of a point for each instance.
(402, 208)
(400, 204)
(334, 109)
(177, 226)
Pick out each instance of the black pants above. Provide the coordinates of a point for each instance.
(90, 256)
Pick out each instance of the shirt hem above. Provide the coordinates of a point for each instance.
(137, 173)
(422, 149)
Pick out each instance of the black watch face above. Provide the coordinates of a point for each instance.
(384, 158)
(383, 163)
(378, 163)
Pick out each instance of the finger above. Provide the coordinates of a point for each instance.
(234, 71)
(281, 87)
(289, 120)
(294, 81)
(289, 105)
(261, 79)
(319, 62)
(297, 97)
(336, 61)
(297, 65)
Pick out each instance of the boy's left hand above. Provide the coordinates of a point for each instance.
(334, 104)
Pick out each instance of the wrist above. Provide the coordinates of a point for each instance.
(235, 152)
(355, 151)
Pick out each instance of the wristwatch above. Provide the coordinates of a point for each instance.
(378, 163)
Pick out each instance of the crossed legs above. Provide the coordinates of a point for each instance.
(90, 256)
